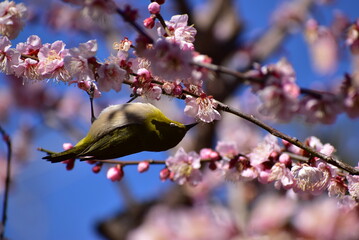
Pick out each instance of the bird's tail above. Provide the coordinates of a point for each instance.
(62, 156)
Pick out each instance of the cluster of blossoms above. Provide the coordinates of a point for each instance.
(281, 97)
(288, 167)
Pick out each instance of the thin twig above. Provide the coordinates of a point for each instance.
(7, 140)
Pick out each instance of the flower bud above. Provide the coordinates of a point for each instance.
(154, 8)
(143, 166)
(115, 173)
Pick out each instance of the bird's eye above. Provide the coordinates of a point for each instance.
(173, 125)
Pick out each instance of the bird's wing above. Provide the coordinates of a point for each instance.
(116, 143)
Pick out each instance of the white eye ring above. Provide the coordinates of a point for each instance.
(173, 125)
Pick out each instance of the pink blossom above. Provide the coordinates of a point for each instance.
(143, 166)
(337, 187)
(169, 61)
(315, 143)
(281, 175)
(154, 8)
(203, 108)
(51, 61)
(350, 93)
(8, 56)
(115, 173)
(353, 186)
(227, 149)
(180, 31)
(143, 86)
(110, 76)
(262, 152)
(278, 93)
(12, 18)
(205, 222)
(208, 153)
(70, 163)
(323, 219)
(96, 9)
(185, 167)
(324, 109)
(79, 62)
(311, 179)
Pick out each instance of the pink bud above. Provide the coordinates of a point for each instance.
(154, 8)
(70, 164)
(143, 166)
(285, 158)
(143, 72)
(177, 90)
(164, 174)
(97, 168)
(207, 153)
(67, 146)
(149, 22)
(115, 173)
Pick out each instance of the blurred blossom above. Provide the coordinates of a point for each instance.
(12, 18)
(203, 108)
(185, 167)
(353, 37)
(278, 92)
(323, 109)
(350, 92)
(270, 213)
(337, 187)
(227, 149)
(323, 47)
(200, 223)
(289, 15)
(323, 219)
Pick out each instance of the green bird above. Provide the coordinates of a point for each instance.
(125, 129)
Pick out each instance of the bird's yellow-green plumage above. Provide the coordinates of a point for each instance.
(125, 129)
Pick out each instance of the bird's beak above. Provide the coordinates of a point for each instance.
(189, 126)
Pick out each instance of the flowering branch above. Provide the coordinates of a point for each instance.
(7, 140)
(332, 160)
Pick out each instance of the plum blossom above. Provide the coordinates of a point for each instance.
(51, 61)
(203, 108)
(27, 68)
(311, 179)
(12, 18)
(185, 167)
(80, 61)
(282, 176)
(262, 152)
(143, 86)
(110, 76)
(8, 56)
(350, 94)
(353, 186)
(169, 61)
(278, 92)
(180, 31)
(337, 187)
